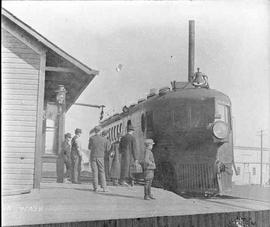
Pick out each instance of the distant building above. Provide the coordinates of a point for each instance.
(248, 165)
(40, 82)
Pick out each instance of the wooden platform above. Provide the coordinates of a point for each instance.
(76, 205)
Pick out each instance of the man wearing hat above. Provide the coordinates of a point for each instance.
(76, 156)
(129, 155)
(98, 145)
(148, 167)
(64, 159)
(107, 160)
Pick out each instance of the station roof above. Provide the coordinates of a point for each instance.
(61, 68)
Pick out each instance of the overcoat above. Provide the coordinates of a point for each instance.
(116, 161)
(129, 153)
(148, 165)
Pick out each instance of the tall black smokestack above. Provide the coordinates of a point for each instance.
(191, 49)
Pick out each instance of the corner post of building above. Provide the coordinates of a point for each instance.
(40, 113)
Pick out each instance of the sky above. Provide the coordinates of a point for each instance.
(232, 47)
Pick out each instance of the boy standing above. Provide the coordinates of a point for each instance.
(148, 166)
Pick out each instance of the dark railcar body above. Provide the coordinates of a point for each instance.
(189, 157)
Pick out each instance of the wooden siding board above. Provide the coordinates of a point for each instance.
(23, 56)
(14, 43)
(19, 118)
(17, 166)
(31, 81)
(16, 71)
(18, 112)
(14, 176)
(17, 50)
(18, 134)
(14, 59)
(20, 94)
(22, 66)
(19, 144)
(28, 126)
(18, 182)
(20, 86)
(19, 107)
(12, 154)
(18, 139)
(19, 160)
(26, 77)
(17, 171)
(25, 103)
(19, 128)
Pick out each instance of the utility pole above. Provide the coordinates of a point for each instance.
(261, 162)
(261, 134)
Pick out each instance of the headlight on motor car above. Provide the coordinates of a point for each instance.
(220, 129)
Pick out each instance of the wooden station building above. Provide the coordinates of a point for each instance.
(40, 82)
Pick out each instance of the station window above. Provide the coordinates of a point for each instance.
(129, 123)
(120, 128)
(143, 123)
(117, 130)
(253, 171)
(149, 121)
(51, 135)
(114, 133)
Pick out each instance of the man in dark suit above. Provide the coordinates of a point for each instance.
(129, 155)
(107, 156)
(76, 156)
(64, 159)
(98, 146)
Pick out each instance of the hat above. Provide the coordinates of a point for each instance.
(130, 128)
(97, 129)
(68, 135)
(78, 130)
(148, 141)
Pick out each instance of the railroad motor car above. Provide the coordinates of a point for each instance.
(192, 129)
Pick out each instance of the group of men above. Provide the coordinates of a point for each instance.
(71, 157)
(108, 160)
(112, 160)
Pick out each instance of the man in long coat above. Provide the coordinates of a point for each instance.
(129, 155)
(76, 156)
(106, 156)
(116, 161)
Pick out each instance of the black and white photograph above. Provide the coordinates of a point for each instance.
(135, 113)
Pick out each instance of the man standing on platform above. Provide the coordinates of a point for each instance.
(76, 156)
(98, 145)
(107, 161)
(129, 154)
(64, 159)
(116, 160)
